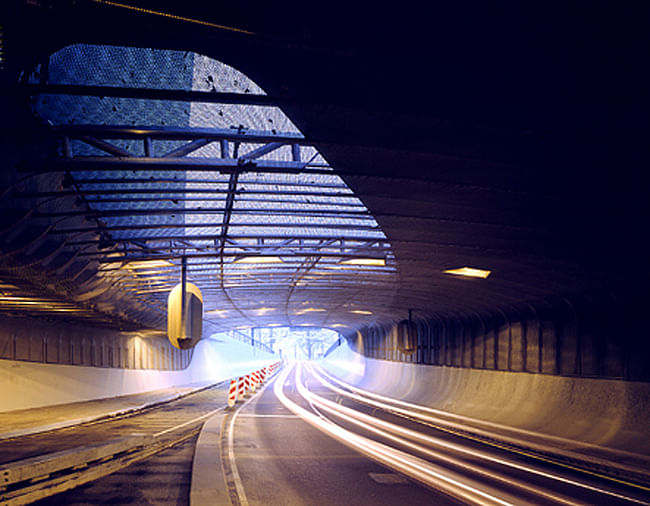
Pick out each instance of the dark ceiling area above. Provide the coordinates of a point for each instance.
(507, 137)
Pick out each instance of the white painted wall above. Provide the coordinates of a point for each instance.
(608, 413)
(28, 384)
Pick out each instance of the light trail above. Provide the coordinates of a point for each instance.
(370, 423)
(366, 399)
(419, 469)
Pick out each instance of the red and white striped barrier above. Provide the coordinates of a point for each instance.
(240, 386)
(253, 381)
(232, 393)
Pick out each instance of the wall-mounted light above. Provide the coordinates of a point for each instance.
(470, 272)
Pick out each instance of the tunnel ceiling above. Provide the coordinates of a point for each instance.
(333, 173)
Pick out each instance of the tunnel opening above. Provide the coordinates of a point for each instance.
(291, 344)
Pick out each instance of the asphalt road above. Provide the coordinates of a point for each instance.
(282, 460)
(307, 440)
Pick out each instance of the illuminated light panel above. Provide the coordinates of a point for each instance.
(379, 262)
(221, 313)
(470, 272)
(310, 310)
(360, 311)
(148, 264)
(259, 260)
(264, 310)
(274, 325)
(338, 325)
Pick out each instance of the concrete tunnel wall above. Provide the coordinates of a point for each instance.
(26, 384)
(605, 412)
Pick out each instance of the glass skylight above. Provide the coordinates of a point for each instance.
(220, 184)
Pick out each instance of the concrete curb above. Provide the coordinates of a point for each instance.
(208, 480)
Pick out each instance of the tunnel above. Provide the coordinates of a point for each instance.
(323, 253)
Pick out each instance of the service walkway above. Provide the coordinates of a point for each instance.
(31, 421)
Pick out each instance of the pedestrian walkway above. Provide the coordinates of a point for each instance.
(31, 421)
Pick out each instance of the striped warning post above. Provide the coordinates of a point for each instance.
(247, 383)
(241, 388)
(253, 381)
(232, 393)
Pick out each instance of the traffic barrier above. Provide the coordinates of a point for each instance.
(242, 385)
(253, 376)
(241, 389)
(232, 393)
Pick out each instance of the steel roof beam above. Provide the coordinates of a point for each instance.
(179, 133)
(213, 97)
(107, 147)
(171, 256)
(264, 150)
(108, 163)
(158, 211)
(182, 191)
(161, 198)
(120, 180)
(115, 228)
(187, 148)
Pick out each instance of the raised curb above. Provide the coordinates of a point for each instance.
(208, 482)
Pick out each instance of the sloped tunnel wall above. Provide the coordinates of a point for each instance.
(574, 368)
(596, 336)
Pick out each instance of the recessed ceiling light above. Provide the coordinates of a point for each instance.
(380, 262)
(360, 311)
(148, 264)
(471, 272)
(258, 260)
(263, 310)
(310, 310)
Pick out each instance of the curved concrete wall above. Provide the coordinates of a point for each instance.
(611, 413)
(29, 385)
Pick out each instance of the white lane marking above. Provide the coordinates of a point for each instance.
(381, 405)
(188, 423)
(401, 461)
(269, 416)
(236, 478)
(389, 430)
